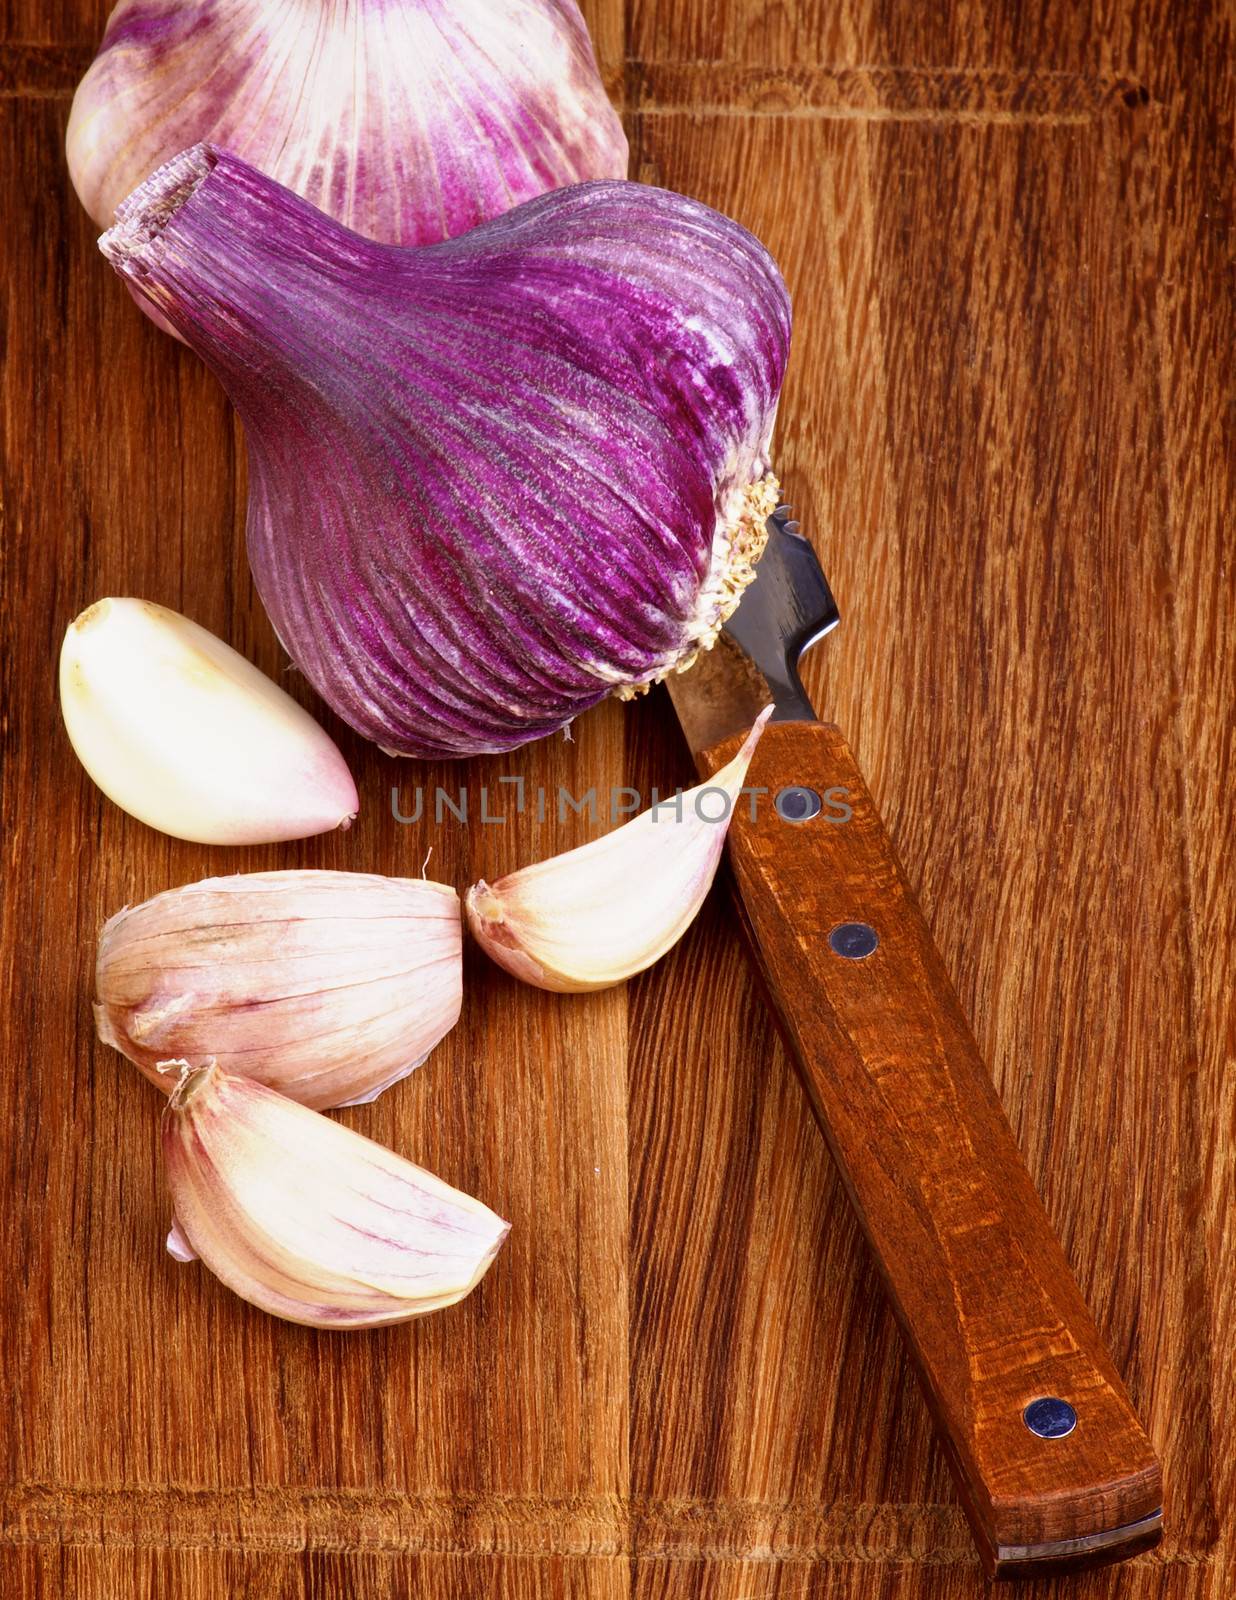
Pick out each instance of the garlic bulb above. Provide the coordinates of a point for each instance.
(184, 734)
(491, 480)
(595, 916)
(408, 120)
(328, 986)
(308, 1220)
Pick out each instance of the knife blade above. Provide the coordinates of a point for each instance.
(1052, 1465)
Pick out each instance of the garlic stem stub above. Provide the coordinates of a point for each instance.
(327, 986)
(595, 916)
(408, 121)
(305, 1218)
(492, 480)
(186, 735)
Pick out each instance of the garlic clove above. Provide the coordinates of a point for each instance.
(495, 480)
(186, 735)
(409, 122)
(595, 916)
(309, 1220)
(178, 1247)
(327, 986)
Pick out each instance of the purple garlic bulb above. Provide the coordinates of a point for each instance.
(409, 120)
(491, 480)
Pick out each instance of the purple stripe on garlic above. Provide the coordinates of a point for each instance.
(492, 480)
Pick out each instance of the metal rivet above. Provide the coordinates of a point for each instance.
(1050, 1418)
(853, 940)
(797, 804)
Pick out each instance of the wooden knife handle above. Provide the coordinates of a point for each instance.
(985, 1298)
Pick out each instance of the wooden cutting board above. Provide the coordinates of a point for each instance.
(1007, 229)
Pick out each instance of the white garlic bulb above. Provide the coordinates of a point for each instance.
(408, 120)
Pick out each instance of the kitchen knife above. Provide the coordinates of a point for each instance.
(1052, 1465)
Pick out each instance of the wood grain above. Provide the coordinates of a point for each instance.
(1007, 229)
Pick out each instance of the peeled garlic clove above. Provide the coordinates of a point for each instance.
(308, 1220)
(494, 480)
(188, 736)
(596, 916)
(328, 986)
(409, 122)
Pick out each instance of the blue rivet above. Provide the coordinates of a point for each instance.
(853, 940)
(1050, 1418)
(797, 804)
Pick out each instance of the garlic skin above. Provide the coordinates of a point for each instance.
(327, 986)
(308, 1220)
(594, 917)
(409, 122)
(186, 735)
(491, 480)
(177, 1246)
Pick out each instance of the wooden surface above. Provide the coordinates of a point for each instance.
(1007, 229)
(985, 1299)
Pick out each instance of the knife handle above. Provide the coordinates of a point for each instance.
(986, 1301)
